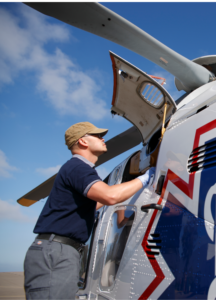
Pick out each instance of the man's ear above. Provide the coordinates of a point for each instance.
(83, 142)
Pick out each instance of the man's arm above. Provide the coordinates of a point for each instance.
(99, 205)
(111, 195)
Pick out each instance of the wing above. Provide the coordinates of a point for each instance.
(117, 145)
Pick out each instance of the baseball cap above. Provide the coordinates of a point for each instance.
(76, 131)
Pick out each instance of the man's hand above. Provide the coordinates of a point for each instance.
(146, 177)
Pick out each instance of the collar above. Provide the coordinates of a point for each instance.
(84, 160)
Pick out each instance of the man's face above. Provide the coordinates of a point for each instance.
(96, 144)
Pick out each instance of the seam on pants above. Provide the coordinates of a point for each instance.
(53, 268)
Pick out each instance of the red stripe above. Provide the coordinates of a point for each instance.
(187, 189)
(114, 79)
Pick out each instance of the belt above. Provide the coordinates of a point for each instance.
(61, 239)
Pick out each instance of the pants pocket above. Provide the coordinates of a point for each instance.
(36, 248)
(54, 255)
(38, 293)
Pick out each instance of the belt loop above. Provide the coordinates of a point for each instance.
(51, 238)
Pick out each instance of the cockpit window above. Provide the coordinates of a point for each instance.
(151, 94)
(119, 230)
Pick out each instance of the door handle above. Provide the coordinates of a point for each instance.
(146, 207)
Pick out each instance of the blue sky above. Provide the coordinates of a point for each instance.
(53, 75)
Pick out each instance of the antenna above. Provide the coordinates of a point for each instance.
(159, 78)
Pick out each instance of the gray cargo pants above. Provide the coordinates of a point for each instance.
(51, 270)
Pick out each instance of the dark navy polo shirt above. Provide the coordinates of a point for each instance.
(68, 212)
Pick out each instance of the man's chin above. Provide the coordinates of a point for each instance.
(103, 151)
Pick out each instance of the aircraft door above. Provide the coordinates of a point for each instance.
(86, 255)
(139, 98)
(118, 233)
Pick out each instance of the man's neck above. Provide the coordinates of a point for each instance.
(89, 156)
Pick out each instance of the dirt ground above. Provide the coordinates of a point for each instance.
(11, 286)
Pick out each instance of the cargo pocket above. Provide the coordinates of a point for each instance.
(38, 293)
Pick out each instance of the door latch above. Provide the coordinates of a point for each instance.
(146, 207)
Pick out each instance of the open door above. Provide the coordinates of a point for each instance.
(139, 98)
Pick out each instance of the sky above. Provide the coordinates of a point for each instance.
(53, 75)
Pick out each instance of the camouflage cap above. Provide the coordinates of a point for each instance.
(76, 131)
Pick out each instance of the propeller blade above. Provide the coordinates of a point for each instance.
(117, 145)
(99, 20)
(41, 191)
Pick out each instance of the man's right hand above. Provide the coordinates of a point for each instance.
(146, 177)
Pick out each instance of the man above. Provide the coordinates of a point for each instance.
(65, 224)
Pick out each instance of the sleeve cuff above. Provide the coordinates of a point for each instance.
(88, 187)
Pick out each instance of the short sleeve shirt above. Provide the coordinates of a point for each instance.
(68, 211)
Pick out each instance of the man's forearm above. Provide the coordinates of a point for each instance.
(121, 192)
(99, 205)
(111, 195)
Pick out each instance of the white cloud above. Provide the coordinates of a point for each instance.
(69, 89)
(5, 168)
(48, 171)
(13, 212)
(102, 172)
(22, 48)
